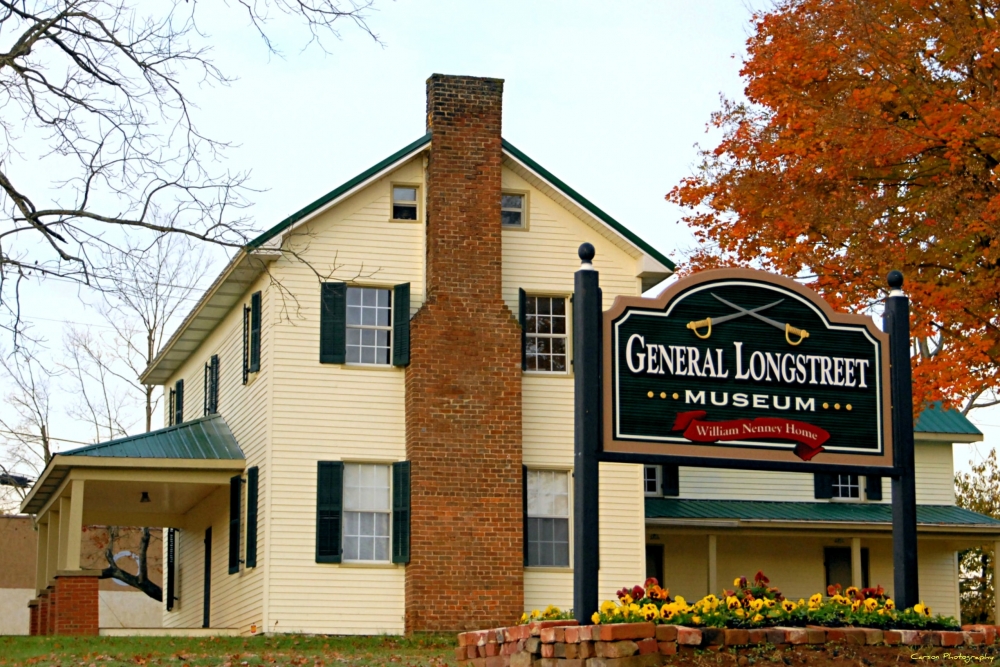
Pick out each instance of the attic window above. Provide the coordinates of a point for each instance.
(511, 210)
(404, 202)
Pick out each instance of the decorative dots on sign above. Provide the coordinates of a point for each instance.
(650, 394)
(663, 394)
(848, 406)
(826, 406)
(676, 395)
(836, 406)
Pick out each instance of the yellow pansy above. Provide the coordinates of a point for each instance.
(626, 600)
(757, 605)
(855, 605)
(649, 612)
(667, 612)
(733, 602)
(740, 612)
(680, 600)
(851, 590)
(788, 605)
(769, 603)
(736, 582)
(524, 617)
(757, 618)
(696, 620)
(889, 605)
(596, 618)
(816, 599)
(871, 604)
(535, 613)
(608, 607)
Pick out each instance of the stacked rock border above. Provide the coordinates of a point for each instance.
(567, 644)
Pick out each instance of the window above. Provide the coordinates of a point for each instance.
(512, 210)
(404, 202)
(367, 509)
(548, 518)
(175, 413)
(251, 337)
(545, 334)
(846, 486)
(651, 481)
(368, 325)
(212, 385)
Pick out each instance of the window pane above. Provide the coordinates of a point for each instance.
(511, 201)
(353, 355)
(546, 334)
(548, 542)
(403, 212)
(368, 297)
(559, 307)
(353, 296)
(404, 194)
(558, 363)
(510, 218)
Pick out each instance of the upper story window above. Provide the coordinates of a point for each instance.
(404, 202)
(512, 213)
(545, 344)
(651, 484)
(369, 325)
(846, 486)
(548, 518)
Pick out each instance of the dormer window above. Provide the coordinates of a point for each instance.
(512, 210)
(404, 202)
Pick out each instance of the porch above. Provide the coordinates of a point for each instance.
(701, 546)
(151, 480)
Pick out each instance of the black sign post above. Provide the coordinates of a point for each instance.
(896, 323)
(587, 322)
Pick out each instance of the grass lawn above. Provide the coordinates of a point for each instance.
(416, 651)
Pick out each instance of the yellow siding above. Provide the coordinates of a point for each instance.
(237, 600)
(325, 412)
(933, 467)
(542, 260)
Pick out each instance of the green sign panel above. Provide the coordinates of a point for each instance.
(745, 364)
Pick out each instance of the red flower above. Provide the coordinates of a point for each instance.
(652, 581)
(760, 579)
(638, 593)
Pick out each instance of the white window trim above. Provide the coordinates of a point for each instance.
(861, 492)
(375, 365)
(343, 532)
(523, 227)
(569, 336)
(418, 202)
(569, 481)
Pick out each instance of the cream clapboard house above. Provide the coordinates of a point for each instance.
(371, 424)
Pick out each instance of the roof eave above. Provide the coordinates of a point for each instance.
(820, 525)
(962, 438)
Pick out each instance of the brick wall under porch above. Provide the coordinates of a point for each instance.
(567, 644)
(69, 606)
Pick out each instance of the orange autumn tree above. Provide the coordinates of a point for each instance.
(870, 141)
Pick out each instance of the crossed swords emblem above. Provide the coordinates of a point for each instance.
(707, 323)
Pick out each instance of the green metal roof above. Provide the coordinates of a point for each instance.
(935, 419)
(423, 141)
(205, 438)
(758, 510)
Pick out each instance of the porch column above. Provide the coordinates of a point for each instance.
(856, 574)
(41, 554)
(713, 564)
(64, 510)
(52, 552)
(74, 526)
(996, 589)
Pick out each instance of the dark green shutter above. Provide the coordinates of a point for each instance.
(206, 390)
(329, 510)
(822, 486)
(401, 325)
(252, 478)
(179, 402)
(670, 480)
(333, 323)
(873, 487)
(171, 566)
(254, 365)
(235, 507)
(246, 341)
(401, 512)
(522, 297)
(524, 504)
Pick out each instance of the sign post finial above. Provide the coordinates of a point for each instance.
(586, 253)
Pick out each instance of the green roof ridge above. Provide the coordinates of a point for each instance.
(587, 204)
(933, 419)
(336, 192)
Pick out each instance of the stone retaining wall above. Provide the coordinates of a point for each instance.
(568, 644)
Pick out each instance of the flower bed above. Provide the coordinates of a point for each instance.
(646, 625)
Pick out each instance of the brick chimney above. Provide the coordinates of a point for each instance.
(463, 384)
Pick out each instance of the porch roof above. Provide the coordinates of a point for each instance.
(205, 443)
(666, 510)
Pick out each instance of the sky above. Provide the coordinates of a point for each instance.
(613, 98)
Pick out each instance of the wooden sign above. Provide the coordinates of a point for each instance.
(742, 364)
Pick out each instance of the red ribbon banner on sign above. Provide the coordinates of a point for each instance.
(810, 438)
